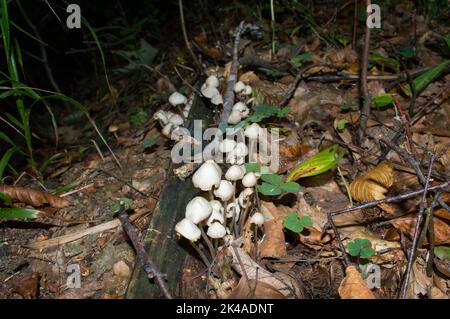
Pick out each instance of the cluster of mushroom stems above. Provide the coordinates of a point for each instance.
(224, 214)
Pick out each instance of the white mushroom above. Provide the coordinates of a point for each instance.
(244, 195)
(249, 180)
(239, 87)
(167, 129)
(257, 219)
(198, 209)
(237, 155)
(216, 230)
(253, 131)
(234, 173)
(235, 117)
(233, 209)
(177, 98)
(188, 229)
(216, 206)
(176, 120)
(241, 108)
(227, 145)
(215, 217)
(209, 91)
(212, 81)
(217, 99)
(161, 116)
(248, 90)
(225, 190)
(207, 176)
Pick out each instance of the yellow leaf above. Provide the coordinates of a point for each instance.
(373, 184)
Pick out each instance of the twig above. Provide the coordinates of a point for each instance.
(186, 82)
(186, 40)
(365, 110)
(355, 24)
(147, 264)
(290, 92)
(232, 78)
(406, 127)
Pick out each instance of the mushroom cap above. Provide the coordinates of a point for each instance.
(209, 91)
(252, 131)
(233, 208)
(242, 108)
(212, 81)
(257, 218)
(113, 128)
(177, 98)
(167, 129)
(217, 99)
(176, 120)
(234, 173)
(249, 180)
(227, 145)
(239, 87)
(237, 155)
(198, 209)
(188, 229)
(243, 196)
(241, 149)
(216, 230)
(207, 176)
(161, 116)
(215, 217)
(216, 206)
(235, 117)
(248, 90)
(225, 190)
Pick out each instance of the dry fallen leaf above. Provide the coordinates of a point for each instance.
(274, 244)
(353, 286)
(441, 229)
(28, 287)
(33, 197)
(252, 289)
(373, 184)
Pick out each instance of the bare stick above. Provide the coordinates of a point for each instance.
(365, 110)
(147, 264)
(355, 24)
(186, 40)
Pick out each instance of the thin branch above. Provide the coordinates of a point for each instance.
(186, 39)
(147, 264)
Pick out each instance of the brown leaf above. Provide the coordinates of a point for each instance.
(202, 41)
(33, 197)
(274, 244)
(353, 286)
(28, 287)
(441, 229)
(252, 289)
(373, 184)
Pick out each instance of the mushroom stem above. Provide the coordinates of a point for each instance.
(245, 213)
(256, 240)
(208, 242)
(201, 254)
(211, 195)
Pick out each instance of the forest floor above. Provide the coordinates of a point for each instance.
(37, 257)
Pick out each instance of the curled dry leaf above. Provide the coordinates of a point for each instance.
(252, 289)
(353, 286)
(33, 197)
(274, 244)
(373, 184)
(445, 158)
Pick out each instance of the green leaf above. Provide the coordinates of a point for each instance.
(269, 189)
(422, 81)
(290, 187)
(252, 167)
(127, 201)
(283, 112)
(5, 198)
(342, 39)
(382, 100)
(273, 179)
(341, 124)
(318, 164)
(292, 222)
(66, 188)
(406, 52)
(367, 252)
(442, 252)
(360, 247)
(447, 40)
(298, 60)
(7, 213)
(149, 142)
(384, 60)
(5, 159)
(347, 106)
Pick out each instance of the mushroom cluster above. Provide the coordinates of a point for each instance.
(219, 220)
(170, 121)
(240, 110)
(210, 90)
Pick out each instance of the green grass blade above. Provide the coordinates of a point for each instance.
(8, 213)
(5, 159)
